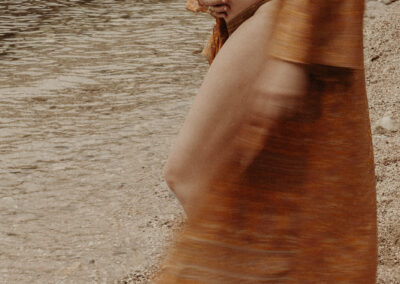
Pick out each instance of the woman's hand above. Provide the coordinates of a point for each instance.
(217, 8)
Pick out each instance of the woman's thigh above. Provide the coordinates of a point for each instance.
(219, 107)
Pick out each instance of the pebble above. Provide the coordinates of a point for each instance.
(387, 2)
(387, 123)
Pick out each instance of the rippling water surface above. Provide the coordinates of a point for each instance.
(91, 94)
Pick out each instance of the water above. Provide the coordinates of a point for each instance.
(91, 95)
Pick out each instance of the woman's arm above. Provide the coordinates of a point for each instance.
(325, 32)
(305, 33)
(278, 93)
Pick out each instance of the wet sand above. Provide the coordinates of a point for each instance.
(92, 94)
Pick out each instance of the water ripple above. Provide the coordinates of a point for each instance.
(91, 96)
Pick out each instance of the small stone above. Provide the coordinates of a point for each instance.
(387, 123)
(387, 2)
(375, 58)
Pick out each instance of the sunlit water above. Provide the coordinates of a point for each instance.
(91, 95)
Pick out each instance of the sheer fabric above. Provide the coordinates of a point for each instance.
(304, 211)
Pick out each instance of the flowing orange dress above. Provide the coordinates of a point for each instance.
(304, 211)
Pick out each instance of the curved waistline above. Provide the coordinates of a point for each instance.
(233, 24)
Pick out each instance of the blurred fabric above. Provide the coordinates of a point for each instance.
(304, 211)
(218, 36)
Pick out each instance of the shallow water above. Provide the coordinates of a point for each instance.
(91, 93)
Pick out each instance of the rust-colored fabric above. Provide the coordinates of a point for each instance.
(218, 36)
(195, 6)
(320, 32)
(304, 211)
(308, 31)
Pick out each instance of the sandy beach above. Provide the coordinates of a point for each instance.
(92, 95)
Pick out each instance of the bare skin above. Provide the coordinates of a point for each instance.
(244, 92)
(226, 9)
(217, 8)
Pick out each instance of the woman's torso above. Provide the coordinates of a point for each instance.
(237, 6)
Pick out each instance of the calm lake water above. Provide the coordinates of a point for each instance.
(91, 95)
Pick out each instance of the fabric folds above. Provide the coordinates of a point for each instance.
(304, 210)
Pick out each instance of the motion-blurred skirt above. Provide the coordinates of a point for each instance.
(304, 211)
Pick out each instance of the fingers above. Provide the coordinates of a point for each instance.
(218, 15)
(219, 8)
(213, 2)
(219, 11)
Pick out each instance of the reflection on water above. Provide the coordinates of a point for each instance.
(91, 94)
